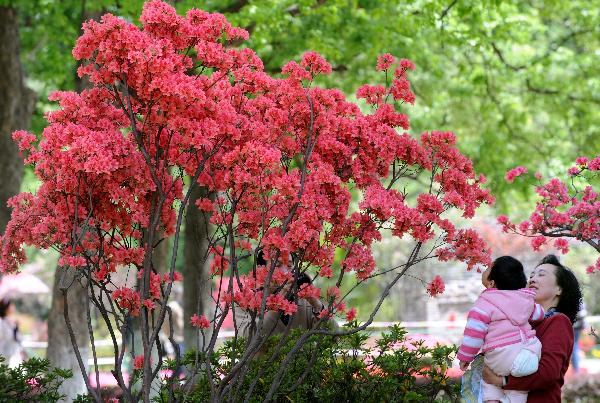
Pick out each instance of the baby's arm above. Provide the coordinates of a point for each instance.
(477, 327)
(537, 314)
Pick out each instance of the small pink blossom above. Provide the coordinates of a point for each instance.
(200, 322)
(33, 383)
(594, 268)
(309, 291)
(407, 64)
(129, 299)
(333, 292)
(514, 173)
(315, 63)
(204, 204)
(149, 304)
(538, 242)
(138, 362)
(324, 314)
(524, 226)
(436, 286)
(326, 272)
(562, 245)
(385, 61)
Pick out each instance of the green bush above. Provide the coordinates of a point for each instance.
(344, 369)
(33, 380)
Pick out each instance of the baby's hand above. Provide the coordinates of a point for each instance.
(464, 365)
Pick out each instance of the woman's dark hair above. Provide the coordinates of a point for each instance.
(4, 305)
(508, 274)
(569, 300)
(303, 278)
(260, 258)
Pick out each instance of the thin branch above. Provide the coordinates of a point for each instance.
(545, 91)
(447, 10)
(551, 49)
(82, 366)
(91, 335)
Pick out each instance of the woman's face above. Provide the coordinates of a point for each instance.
(543, 280)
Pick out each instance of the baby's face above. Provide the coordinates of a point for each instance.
(485, 280)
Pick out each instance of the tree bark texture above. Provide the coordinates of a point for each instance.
(196, 284)
(60, 349)
(17, 103)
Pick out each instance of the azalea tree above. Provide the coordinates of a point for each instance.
(566, 209)
(175, 105)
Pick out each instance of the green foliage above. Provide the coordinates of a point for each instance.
(33, 380)
(342, 368)
(516, 81)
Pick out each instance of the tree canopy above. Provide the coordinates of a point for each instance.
(516, 81)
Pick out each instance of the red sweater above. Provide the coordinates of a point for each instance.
(556, 335)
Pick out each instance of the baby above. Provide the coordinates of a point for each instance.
(499, 325)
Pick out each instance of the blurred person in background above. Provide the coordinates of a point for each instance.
(577, 329)
(276, 322)
(10, 343)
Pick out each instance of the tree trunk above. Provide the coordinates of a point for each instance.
(196, 278)
(160, 262)
(17, 103)
(60, 349)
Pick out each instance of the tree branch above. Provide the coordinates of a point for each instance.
(551, 49)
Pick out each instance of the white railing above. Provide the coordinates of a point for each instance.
(448, 329)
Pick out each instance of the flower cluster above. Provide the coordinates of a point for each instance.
(138, 362)
(563, 211)
(128, 299)
(200, 322)
(436, 286)
(514, 173)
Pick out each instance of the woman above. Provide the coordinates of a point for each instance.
(558, 292)
(10, 346)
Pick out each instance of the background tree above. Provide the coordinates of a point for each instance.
(16, 107)
(197, 284)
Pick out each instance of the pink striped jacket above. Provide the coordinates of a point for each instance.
(499, 318)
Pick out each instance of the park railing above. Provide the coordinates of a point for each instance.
(444, 332)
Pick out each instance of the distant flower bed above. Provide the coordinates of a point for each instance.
(582, 388)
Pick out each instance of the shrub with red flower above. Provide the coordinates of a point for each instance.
(174, 106)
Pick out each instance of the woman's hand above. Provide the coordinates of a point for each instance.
(490, 377)
(317, 305)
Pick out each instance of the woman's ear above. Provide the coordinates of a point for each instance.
(558, 291)
(492, 284)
